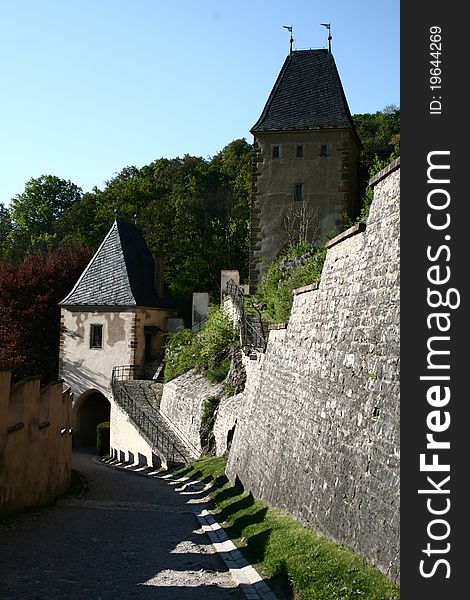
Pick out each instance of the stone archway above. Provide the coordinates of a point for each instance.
(92, 408)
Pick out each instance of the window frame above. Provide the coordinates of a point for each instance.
(94, 329)
(299, 187)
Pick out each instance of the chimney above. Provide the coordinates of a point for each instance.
(158, 275)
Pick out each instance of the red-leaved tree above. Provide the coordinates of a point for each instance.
(29, 313)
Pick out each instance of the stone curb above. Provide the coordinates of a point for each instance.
(250, 581)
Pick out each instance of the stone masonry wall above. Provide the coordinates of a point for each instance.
(182, 404)
(329, 186)
(318, 434)
(226, 421)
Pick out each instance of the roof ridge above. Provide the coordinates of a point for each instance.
(307, 95)
(273, 91)
(120, 273)
(123, 254)
(90, 263)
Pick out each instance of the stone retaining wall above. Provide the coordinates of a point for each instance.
(318, 433)
(182, 404)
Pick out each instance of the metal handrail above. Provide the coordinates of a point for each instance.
(157, 437)
(250, 337)
(199, 325)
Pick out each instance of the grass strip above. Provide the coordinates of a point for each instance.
(296, 560)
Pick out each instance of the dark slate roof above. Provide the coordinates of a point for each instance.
(307, 95)
(121, 273)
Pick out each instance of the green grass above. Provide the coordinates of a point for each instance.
(219, 372)
(306, 565)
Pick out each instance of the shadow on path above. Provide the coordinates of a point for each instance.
(126, 537)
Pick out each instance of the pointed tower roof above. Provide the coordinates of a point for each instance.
(121, 273)
(307, 95)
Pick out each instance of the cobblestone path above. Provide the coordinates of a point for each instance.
(128, 537)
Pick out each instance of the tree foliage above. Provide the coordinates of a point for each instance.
(195, 211)
(202, 351)
(29, 313)
(300, 264)
(5, 230)
(35, 212)
(380, 137)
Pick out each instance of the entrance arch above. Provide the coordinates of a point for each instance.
(92, 408)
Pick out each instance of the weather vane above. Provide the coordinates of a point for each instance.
(291, 41)
(328, 26)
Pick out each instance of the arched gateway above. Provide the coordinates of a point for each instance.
(91, 409)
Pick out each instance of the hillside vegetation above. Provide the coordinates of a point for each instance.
(196, 211)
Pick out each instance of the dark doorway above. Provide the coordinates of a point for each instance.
(94, 409)
(148, 346)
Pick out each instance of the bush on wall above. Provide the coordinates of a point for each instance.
(299, 265)
(204, 350)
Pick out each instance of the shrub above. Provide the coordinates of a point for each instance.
(377, 165)
(219, 372)
(299, 265)
(179, 354)
(202, 351)
(102, 438)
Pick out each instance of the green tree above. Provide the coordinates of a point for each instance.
(80, 222)
(380, 137)
(5, 231)
(34, 213)
(195, 211)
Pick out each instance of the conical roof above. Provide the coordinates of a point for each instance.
(121, 273)
(307, 95)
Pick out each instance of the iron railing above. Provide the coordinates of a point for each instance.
(251, 337)
(145, 422)
(199, 325)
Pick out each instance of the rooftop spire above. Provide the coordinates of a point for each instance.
(291, 41)
(328, 26)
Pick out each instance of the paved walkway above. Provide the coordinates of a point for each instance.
(128, 537)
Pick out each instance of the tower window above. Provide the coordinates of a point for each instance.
(299, 152)
(299, 191)
(96, 336)
(324, 150)
(276, 151)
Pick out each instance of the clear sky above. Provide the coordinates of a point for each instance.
(92, 86)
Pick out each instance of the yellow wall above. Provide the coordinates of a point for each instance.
(35, 442)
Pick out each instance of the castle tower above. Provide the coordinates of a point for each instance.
(306, 157)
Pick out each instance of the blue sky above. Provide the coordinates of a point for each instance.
(92, 86)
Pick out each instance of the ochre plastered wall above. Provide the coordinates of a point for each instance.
(35, 442)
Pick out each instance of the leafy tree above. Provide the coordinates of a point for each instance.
(234, 161)
(29, 313)
(5, 230)
(34, 213)
(79, 223)
(194, 210)
(380, 137)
